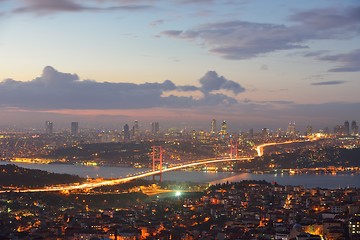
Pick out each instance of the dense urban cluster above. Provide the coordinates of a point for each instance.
(243, 210)
(131, 145)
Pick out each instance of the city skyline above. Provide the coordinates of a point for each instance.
(133, 130)
(181, 63)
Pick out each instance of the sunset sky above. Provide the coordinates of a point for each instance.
(253, 63)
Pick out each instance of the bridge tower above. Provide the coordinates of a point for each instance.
(157, 160)
(233, 148)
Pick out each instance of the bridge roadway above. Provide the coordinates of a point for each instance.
(107, 182)
(260, 149)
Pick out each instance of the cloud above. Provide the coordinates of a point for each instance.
(57, 95)
(43, 6)
(243, 40)
(187, 88)
(314, 53)
(346, 19)
(212, 82)
(128, 7)
(57, 90)
(350, 61)
(53, 6)
(240, 40)
(172, 33)
(328, 83)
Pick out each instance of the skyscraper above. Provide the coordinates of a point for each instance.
(126, 132)
(223, 128)
(346, 128)
(291, 129)
(354, 128)
(49, 127)
(213, 126)
(74, 128)
(136, 131)
(155, 128)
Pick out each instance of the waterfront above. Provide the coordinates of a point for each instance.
(307, 180)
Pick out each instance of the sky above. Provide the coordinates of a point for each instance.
(253, 63)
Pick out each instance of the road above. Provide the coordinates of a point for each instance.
(260, 149)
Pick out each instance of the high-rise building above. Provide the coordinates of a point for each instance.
(354, 128)
(223, 130)
(135, 129)
(213, 126)
(155, 128)
(346, 128)
(49, 127)
(126, 132)
(74, 128)
(291, 129)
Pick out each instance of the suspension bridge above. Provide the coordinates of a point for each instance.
(157, 170)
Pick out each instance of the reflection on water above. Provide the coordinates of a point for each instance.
(308, 180)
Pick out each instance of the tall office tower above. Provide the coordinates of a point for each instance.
(223, 130)
(49, 127)
(308, 130)
(354, 128)
(126, 132)
(136, 128)
(213, 126)
(346, 128)
(155, 128)
(291, 129)
(74, 128)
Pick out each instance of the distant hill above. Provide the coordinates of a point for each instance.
(14, 176)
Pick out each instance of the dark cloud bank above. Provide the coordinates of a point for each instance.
(57, 90)
(243, 40)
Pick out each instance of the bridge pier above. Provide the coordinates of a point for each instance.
(157, 157)
(233, 148)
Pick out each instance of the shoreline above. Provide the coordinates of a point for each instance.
(303, 171)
